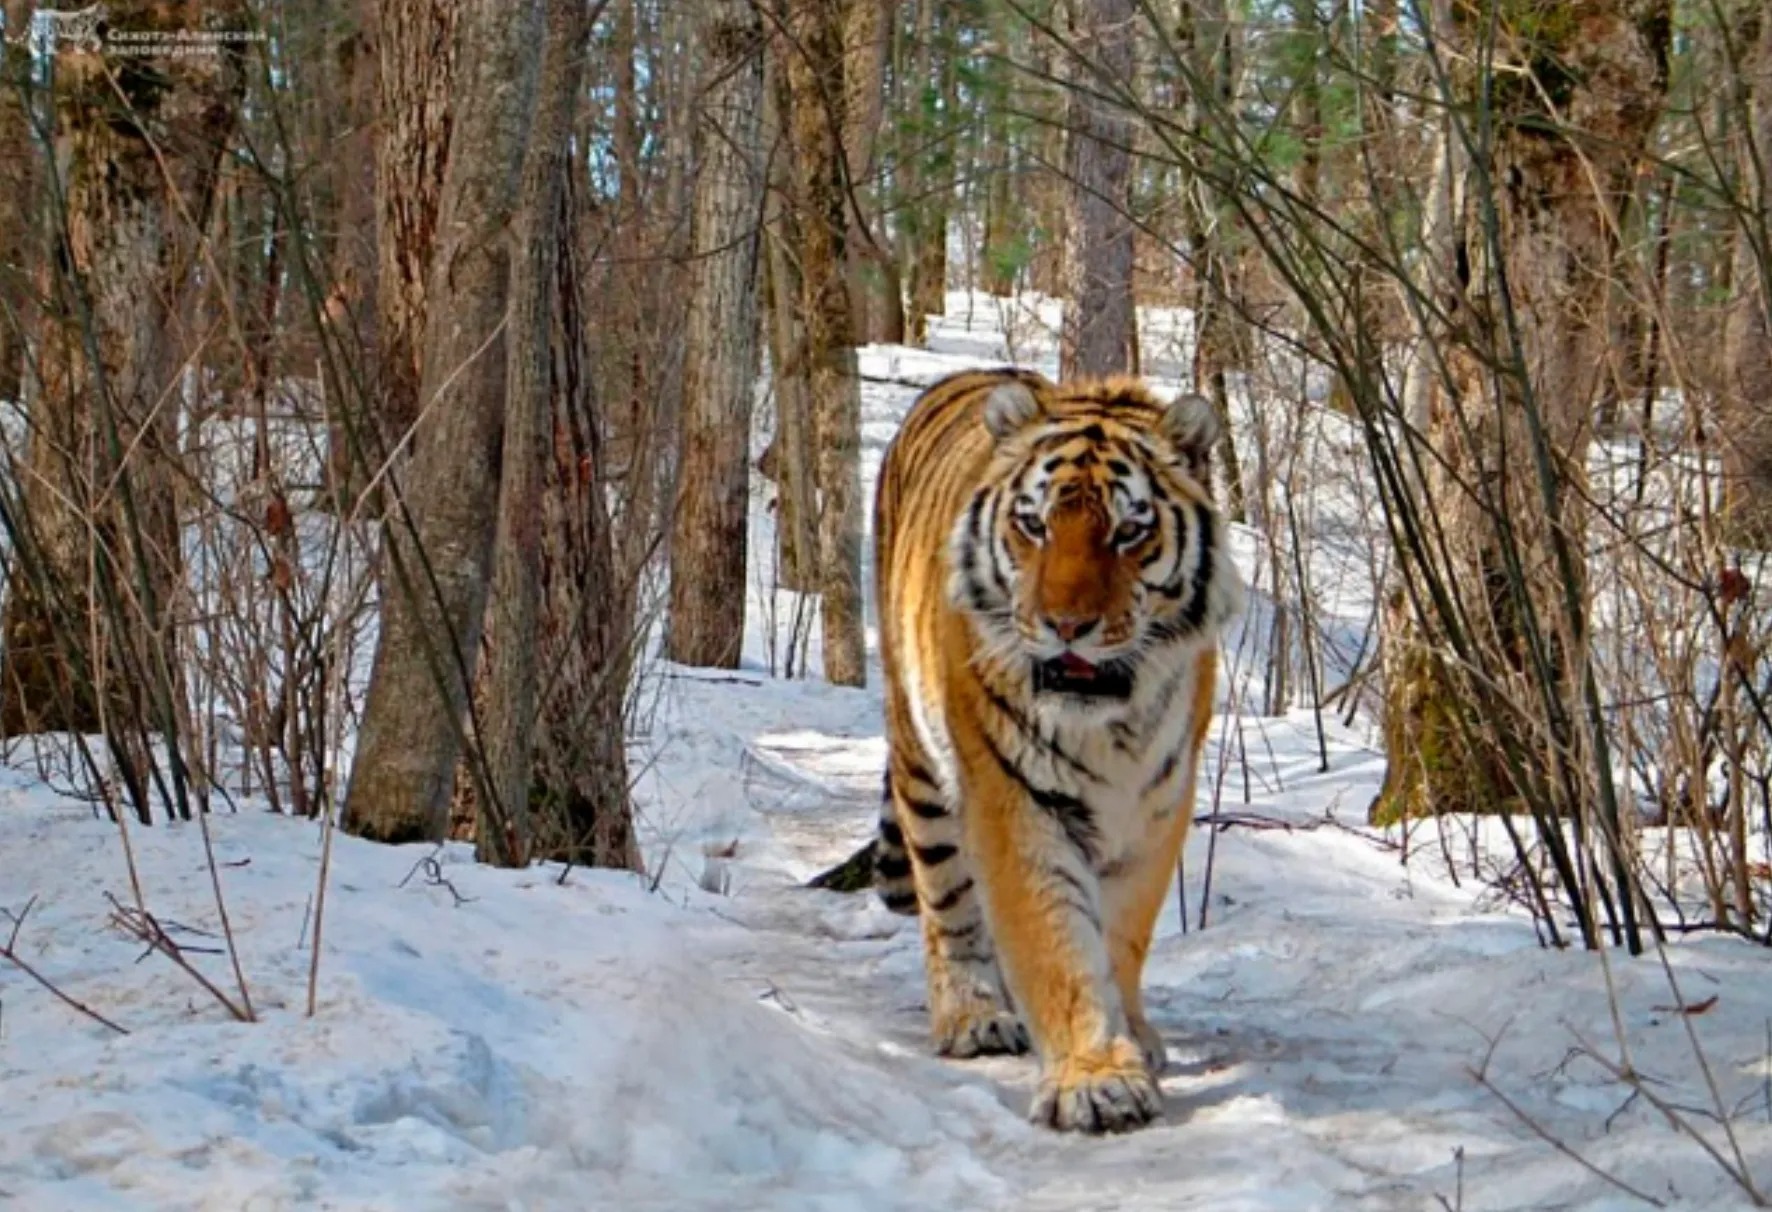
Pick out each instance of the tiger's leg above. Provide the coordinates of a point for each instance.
(1045, 905)
(968, 1015)
(1132, 896)
(1133, 893)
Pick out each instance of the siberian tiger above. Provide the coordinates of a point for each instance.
(1051, 582)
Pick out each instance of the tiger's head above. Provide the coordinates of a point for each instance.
(1092, 549)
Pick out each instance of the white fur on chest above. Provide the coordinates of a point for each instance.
(1138, 757)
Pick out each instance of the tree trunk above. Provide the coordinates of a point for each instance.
(504, 832)
(579, 783)
(418, 49)
(1098, 330)
(350, 358)
(1206, 38)
(711, 522)
(440, 531)
(1505, 496)
(876, 297)
(90, 636)
(18, 201)
(928, 172)
(815, 75)
(1746, 433)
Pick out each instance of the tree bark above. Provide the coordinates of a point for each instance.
(711, 521)
(579, 783)
(1098, 333)
(928, 171)
(876, 296)
(350, 360)
(89, 627)
(505, 834)
(1746, 433)
(419, 45)
(815, 80)
(19, 203)
(438, 540)
(1205, 35)
(1506, 502)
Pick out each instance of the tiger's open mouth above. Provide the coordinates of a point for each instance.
(1069, 673)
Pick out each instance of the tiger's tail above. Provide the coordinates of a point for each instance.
(892, 863)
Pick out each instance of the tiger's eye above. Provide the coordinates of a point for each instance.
(1128, 532)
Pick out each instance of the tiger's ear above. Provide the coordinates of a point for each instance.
(1008, 408)
(1192, 424)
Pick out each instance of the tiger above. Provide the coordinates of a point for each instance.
(1051, 581)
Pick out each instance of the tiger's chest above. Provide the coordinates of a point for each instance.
(1120, 775)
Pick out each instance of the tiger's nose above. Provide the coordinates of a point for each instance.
(1071, 628)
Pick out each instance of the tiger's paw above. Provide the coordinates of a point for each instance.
(1150, 1040)
(980, 1028)
(1116, 1096)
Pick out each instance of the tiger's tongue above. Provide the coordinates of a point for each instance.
(1075, 665)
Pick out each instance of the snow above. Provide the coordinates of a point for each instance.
(488, 1039)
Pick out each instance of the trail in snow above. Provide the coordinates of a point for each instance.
(600, 1043)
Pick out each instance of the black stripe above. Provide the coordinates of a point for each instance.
(892, 867)
(1047, 745)
(1165, 770)
(932, 856)
(1072, 813)
(898, 902)
(958, 932)
(1196, 607)
(953, 896)
(1085, 903)
(891, 834)
(928, 810)
(1178, 582)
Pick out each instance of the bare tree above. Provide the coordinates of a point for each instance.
(141, 141)
(1505, 489)
(18, 210)
(709, 529)
(1099, 329)
(440, 532)
(1746, 436)
(418, 44)
(815, 72)
(505, 833)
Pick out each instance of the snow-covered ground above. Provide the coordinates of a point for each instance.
(1343, 1028)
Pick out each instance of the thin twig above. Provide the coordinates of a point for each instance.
(142, 925)
(10, 953)
(1544, 1134)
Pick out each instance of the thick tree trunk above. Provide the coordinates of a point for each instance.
(1746, 433)
(710, 525)
(815, 75)
(505, 833)
(579, 783)
(89, 632)
(1507, 503)
(419, 44)
(440, 530)
(1099, 328)
(18, 201)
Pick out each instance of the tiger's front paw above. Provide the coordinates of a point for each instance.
(1150, 1041)
(979, 1028)
(1113, 1095)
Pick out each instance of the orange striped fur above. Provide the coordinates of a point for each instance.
(1051, 582)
